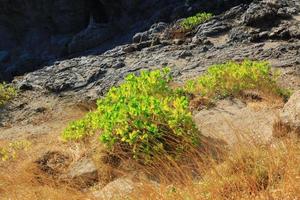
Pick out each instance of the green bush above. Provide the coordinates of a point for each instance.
(193, 21)
(6, 93)
(143, 117)
(231, 78)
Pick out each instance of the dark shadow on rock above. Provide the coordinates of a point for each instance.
(38, 34)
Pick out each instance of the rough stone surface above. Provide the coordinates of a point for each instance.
(290, 114)
(117, 189)
(234, 121)
(226, 37)
(83, 173)
(40, 32)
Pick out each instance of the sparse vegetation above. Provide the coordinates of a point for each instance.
(143, 116)
(11, 150)
(193, 21)
(6, 93)
(231, 78)
(230, 131)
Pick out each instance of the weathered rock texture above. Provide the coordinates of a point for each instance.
(242, 32)
(235, 121)
(290, 115)
(37, 32)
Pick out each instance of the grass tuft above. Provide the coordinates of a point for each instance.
(193, 21)
(248, 172)
(231, 78)
(11, 150)
(6, 93)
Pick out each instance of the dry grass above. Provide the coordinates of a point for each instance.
(23, 185)
(21, 179)
(248, 172)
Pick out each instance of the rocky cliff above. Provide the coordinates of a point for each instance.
(37, 33)
(264, 30)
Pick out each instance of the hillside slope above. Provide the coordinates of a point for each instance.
(40, 165)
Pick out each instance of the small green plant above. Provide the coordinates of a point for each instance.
(231, 78)
(193, 21)
(144, 117)
(6, 93)
(11, 150)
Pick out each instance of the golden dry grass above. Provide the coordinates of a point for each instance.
(248, 172)
(21, 179)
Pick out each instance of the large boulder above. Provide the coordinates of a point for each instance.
(234, 121)
(290, 115)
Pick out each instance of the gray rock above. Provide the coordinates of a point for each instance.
(52, 30)
(70, 75)
(119, 64)
(232, 118)
(260, 12)
(185, 54)
(239, 34)
(212, 28)
(95, 74)
(118, 189)
(234, 12)
(158, 28)
(257, 13)
(290, 114)
(83, 173)
(49, 31)
(23, 86)
(140, 37)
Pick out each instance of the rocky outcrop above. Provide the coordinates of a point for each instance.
(235, 121)
(37, 33)
(225, 37)
(290, 115)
